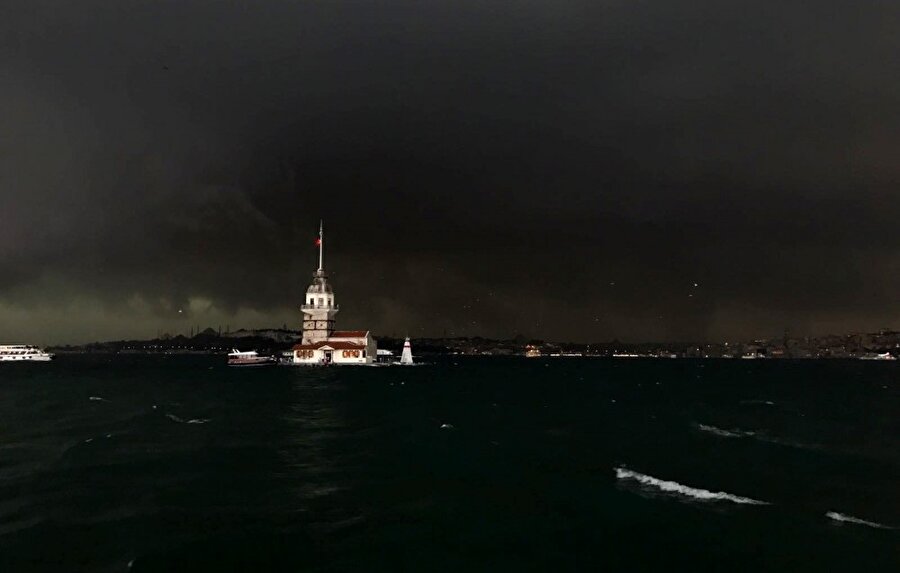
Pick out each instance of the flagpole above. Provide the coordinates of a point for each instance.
(321, 245)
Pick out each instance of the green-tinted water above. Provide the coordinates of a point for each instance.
(491, 464)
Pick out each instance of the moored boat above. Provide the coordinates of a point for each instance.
(23, 353)
(249, 358)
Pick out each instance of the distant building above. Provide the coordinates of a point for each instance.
(321, 343)
(532, 351)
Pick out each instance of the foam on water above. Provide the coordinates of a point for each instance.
(680, 489)
(733, 433)
(850, 519)
(759, 436)
(788, 443)
(98, 399)
(175, 418)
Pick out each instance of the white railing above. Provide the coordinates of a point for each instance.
(319, 307)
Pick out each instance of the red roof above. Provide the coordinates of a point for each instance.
(349, 334)
(335, 344)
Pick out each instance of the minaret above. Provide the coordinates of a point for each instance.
(319, 307)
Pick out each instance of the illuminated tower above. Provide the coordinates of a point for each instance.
(319, 308)
(406, 357)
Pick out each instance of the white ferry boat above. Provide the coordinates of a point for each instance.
(249, 358)
(23, 353)
(881, 356)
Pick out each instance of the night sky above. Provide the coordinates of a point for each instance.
(572, 171)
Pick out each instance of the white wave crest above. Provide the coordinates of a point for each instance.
(758, 402)
(733, 433)
(789, 443)
(760, 436)
(175, 418)
(97, 399)
(850, 519)
(675, 487)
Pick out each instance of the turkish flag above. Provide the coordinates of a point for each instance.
(318, 242)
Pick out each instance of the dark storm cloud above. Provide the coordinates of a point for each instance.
(565, 170)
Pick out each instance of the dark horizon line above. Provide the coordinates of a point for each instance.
(519, 339)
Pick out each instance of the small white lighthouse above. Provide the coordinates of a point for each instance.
(406, 357)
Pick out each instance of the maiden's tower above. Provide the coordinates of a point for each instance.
(321, 343)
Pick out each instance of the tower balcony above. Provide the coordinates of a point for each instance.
(333, 307)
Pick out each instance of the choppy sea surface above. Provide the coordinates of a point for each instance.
(137, 463)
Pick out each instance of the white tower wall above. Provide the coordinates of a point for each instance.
(319, 308)
(406, 357)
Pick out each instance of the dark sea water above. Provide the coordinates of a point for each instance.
(469, 464)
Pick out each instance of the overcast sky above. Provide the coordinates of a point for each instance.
(562, 170)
